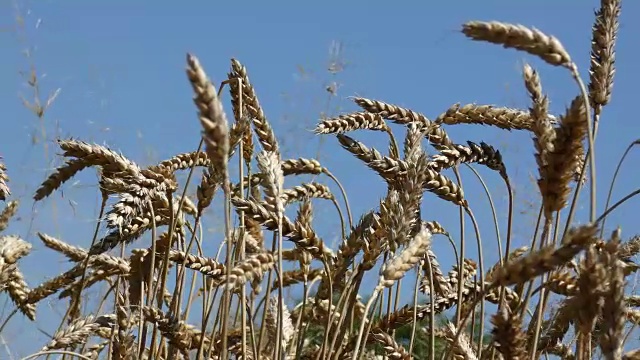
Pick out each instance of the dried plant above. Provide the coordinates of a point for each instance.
(169, 297)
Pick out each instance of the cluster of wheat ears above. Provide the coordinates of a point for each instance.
(154, 289)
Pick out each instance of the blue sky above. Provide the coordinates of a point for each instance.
(120, 68)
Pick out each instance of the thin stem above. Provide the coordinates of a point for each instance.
(620, 202)
(393, 151)
(541, 302)
(613, 181)
(591, 135)
(344, 195)
(461, 257)
(374, 296)
(51, 352)
(243, 242)
(432, 312)
(482, 283)
(227, 293)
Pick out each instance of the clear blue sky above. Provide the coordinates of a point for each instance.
(120, 68)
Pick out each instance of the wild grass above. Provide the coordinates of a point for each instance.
(167, 299)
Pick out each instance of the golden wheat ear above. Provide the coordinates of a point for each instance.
(520, 37)
(212, 116)
(261, 125)
(8, 213)
(603, 56)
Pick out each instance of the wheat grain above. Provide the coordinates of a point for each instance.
(408, 257)
(212, 116)
(273, 181)
(74, 253)
(455, 154)
(93, 351)
(12, 249)
(204, 265)
(563, 283)
(212, 178)
(461, 345)
(520, 37)
(391, 348)
(603, 41)
(507, 334)
(567, 146)
(249, 268)
(305, 191)
(434, 133)
(351, 122)
(504, 118)
(441, 285)
(272, 320)
(77, 332)
(305, 210)
(18, 291)
(301, 235)
(185, 161)
(611, 340)
(180, 334)
(301, 166)
(263, 129)
(240, 132)
(545, 259)
(111, 162)
(7, 213)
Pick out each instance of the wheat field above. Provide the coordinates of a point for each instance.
(565, 295)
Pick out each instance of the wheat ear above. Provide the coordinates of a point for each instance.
(394, 270)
